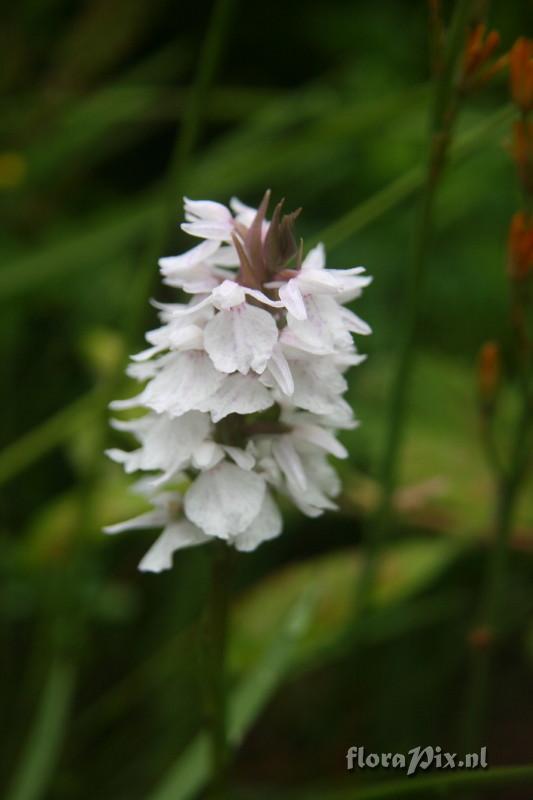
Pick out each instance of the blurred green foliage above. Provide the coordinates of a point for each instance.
(327, 104)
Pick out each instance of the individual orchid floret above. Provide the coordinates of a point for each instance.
(243, 383)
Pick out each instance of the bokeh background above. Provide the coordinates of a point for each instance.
(327, 104)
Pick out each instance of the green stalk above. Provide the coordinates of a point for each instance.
(165, 221)
(188, 775)
(443, 116)
(509, 483)
(213, 646)
(188, 135)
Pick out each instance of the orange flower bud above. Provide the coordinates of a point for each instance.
(479, 48)
(489, 372)
(521, 73)
(520, 246)
(473, 49)
(491, 43)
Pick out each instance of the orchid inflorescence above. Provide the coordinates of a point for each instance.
(244, 383)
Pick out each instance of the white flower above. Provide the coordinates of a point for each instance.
(244, 383)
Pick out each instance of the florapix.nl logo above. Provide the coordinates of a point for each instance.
(418, 758)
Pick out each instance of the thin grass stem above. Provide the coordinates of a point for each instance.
(442, 120)
(41, 751)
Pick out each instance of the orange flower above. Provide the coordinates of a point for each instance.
(521, 73)
(520, 246)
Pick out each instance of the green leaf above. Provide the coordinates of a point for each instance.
(406, 569)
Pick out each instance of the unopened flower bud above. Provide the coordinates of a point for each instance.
(521, 73)
(520, 246)
(479, 48)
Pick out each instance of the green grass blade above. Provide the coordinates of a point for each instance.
(84, 249)
(403, 187)
(42, 748)
(42, 439)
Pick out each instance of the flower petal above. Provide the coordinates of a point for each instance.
(316, 258)
(278, 368)
(225, 256)
(267, 525)
(207, 455)
(290, 463)
(176, 536)
(318, 385)
(218, 231)
(171, 265)
(245, 214)
(228, 295)
(206, 210)
(241, 457)
(185, 383)
(242, 338)
(355, 323)
(322, 438)
(224, 501)
(151, 519)
(238, 394)
(292, 299)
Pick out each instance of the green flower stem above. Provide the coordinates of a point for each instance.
(509, 484)
(188, 775)
(443, 116)
(213, 646)
(186, 139)
(509, 481)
